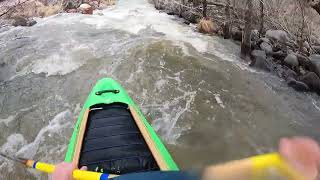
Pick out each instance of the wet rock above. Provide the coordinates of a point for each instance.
(291, 60)
(312, 80)
(236, 34)
(266, 47)
(190, 17)
(259, 60)
(315, 63)
(316, 49)
(31, 23)
(278, 35)
(72, 11)
(289, 74)
(298, 85)
(304, 61)
(279, 55)
(277, 47)
(20, 21)
(86, 9)
(206, 26)
(264, 40)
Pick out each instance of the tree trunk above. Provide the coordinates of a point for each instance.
(261, 31)
(226, 27)
(204, 10)
(301, 37)
(246, 40)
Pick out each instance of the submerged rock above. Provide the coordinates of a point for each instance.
(298, 85)
(259, 60)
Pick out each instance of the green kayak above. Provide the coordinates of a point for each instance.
(113, 136)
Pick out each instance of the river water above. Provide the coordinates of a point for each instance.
(205, 104)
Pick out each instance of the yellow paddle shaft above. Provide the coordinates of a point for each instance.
(262, 167)
(77, 174)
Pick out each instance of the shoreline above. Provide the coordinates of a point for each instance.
(274, 52)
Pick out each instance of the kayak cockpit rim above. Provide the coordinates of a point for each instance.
(141, 126)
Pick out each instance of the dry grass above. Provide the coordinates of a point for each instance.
(45, 11)
(206, 26)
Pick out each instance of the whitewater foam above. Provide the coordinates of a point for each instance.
(59, 122)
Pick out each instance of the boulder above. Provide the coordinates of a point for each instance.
(31, 23)
(316, 49)
(291, 60)
(264, 40)
(20, 21)
(312, 80)
(277, 47)
(206, 26)
(315, 41)
(279, 55)
(298, 85)
(304, 61)
(190, 17)
(86, 9)
(266, 47)
(306, 45)
(236, 34)
(278, 35)
(315, 63)
(289, 74)
(259, 60)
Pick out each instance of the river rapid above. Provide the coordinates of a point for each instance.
(206, 105)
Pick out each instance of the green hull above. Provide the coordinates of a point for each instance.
(108, 98)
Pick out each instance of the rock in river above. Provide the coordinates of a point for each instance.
(315, 63)
(312, 80)
(298, 85)
(86, 9)
(20, 21)
(259, 60)
(291, 60)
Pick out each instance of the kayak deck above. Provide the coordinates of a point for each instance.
(113, 143)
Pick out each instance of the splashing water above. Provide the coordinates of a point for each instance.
(205, 104)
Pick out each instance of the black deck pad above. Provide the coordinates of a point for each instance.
(113, 143)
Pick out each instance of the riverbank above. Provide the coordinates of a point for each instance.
(275, 51)
(22, 13)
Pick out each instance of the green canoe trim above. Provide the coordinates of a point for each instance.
(107, 98)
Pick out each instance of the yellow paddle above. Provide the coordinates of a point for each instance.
(260, 167)
(49, 168)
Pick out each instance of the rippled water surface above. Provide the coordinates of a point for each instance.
(206, 105)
